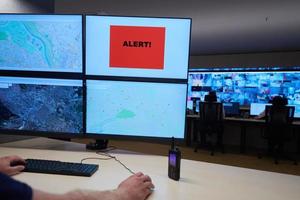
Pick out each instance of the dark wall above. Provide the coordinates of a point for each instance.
(247, 60)
(45, 6)
(231, 26)
(224, 33)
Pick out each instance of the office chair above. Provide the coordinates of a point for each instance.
(277, 130)
(211, 124)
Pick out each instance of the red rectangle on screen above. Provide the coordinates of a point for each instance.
(137, 47)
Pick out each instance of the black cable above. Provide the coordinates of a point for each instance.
(124, 165)
(115, 158)
(109, 157)
(93, 158)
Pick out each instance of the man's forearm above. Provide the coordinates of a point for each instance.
(77, 195)
(92, 195)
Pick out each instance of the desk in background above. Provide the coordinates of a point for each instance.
(244, 123)
(199, 180)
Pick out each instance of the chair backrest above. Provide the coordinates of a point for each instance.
(279, 115)
(211, 112)
(278, 120)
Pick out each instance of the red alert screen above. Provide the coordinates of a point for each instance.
(137, 47)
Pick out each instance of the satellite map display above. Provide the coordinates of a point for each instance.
(50, 105)
(41, 42)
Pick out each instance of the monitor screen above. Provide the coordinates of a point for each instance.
(231, 108)
(247, 87)
(36, 104)
(136, 108)
(41, 42)
(257, 108)
(137, 46)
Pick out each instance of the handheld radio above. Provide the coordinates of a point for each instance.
(174, 162)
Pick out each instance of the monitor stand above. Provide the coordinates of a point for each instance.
(97, 145)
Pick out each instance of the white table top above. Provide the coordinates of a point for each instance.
(199, 180)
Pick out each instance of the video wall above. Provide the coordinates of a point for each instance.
(246, 87)
(131, 63)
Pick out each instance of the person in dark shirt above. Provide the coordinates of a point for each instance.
(136, 187)
(277, 102)
(10, 188)
(212, 97)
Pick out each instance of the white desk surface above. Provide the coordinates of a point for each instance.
(199, 180)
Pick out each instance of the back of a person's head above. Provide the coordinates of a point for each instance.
(279, 101)
(211, 97)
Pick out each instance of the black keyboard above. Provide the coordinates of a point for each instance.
(58, 167)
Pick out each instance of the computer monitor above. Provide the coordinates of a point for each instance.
(51, 43)
(41, 105)
(142, 109)
(41, 76)
(231, 109)
(257, 108)
(147, 47)
(47, 90)
(297, 110)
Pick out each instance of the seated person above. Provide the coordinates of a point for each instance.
(136, 187)
(212, 97)
(212, 124)
(277, 101)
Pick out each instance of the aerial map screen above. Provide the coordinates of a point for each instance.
(136, 108)
(41, 42)
(35, 104)
(137, 46)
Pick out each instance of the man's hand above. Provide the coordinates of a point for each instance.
(136, 187)
(11, 165)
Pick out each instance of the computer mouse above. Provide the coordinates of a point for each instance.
(17, 163)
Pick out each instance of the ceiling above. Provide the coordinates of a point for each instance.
(218, 26)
